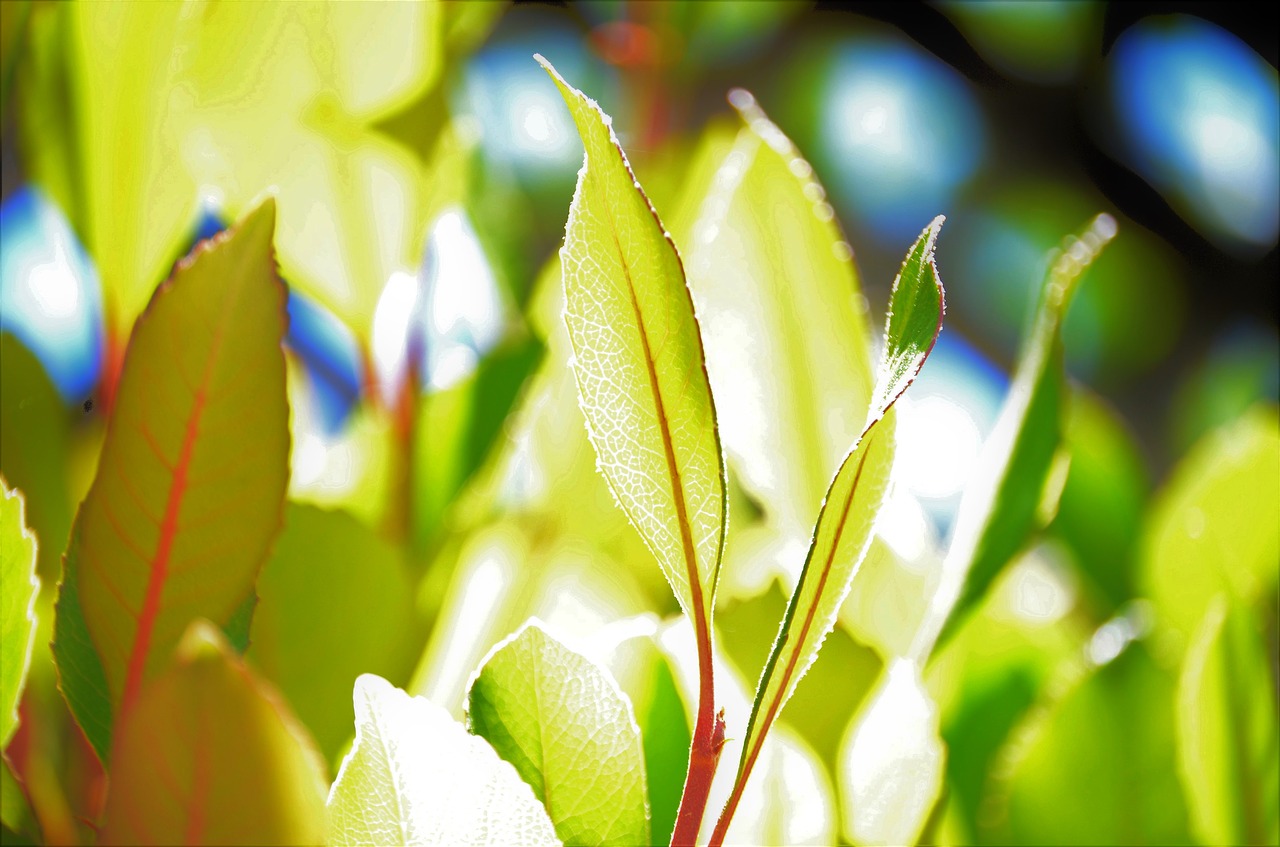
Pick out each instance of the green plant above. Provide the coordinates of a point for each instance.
(209, 622)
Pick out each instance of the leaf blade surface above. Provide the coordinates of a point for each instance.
(570, 733)
(209, 756)
(639, 363)
(198, 444)
(19, 586)
(415, 777)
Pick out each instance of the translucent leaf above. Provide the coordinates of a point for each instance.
(1213, 526)
(18, 589)
(1228, 744)
(999, 509)
(335, 601)
(788, 351)
(847, 520)
(415, 777)
(207, 755)
(570, 733)
(191, 480)
(639, 365)
(891, 763)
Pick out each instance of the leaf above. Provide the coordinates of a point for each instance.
(847, 520)
(638, 360)
(665, 733)
(415, 777)
(999, 508)
(570, 733)
(1228, 744)
(19, 586)
(1213, 526)
(334, 601)
(785, 328)
(208, 755)
(35, 446)
(1097, 767)
(191, 479)
(891, 762)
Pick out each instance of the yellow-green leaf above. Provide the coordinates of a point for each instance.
(191, 479)
(788, 350)
(638, 359)
(999, 509)
(845, 525)
(1228, 744)
(415, 777)
(18, 589)
(569, 732)
(335, 601)
(209, 755)
(1213, 527)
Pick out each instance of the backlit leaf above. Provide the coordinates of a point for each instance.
(335, 601)
(570, 733)
(788, 350)
(415, 777)
(1228, 744)
(1097, 766)
(18, 589)
(639, 363)
(847, 520)
(999, 508)
(208, 755)
(191, 480)
(1213, 527)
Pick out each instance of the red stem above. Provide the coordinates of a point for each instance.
(704, 751)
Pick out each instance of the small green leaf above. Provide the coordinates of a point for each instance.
(207, 755)
(191, 479)
(999, 509)
(415, 777)
(334, 601)
(570, 733)
(638, 359)
(16, 817)
(847, 520)
(785, 329)
(1228, 744)
(666, 735)
(1213, 527)
(18, 589)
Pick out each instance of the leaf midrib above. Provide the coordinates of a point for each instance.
(159, 562)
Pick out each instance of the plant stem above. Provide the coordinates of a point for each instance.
(704, 750)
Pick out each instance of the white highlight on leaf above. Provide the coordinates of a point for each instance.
(414, 776)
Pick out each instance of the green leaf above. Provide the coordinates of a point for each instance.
(18, 589)
(35, 449)
(334, 601)
(785, 328)
(638, 359)
(207, 755)
(1213, 526)
(999, 509)
(666, 734)
(1097, 766)
(415, 777)
(16, 816)
(190, 485)
(570, 733)
(847, 520)
(1228, 744)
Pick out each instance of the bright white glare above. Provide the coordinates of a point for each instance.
(1037, 592)
(875, 121)
(892, 763)
(464, 311)
(1238, 174)
(938, 446)
(392, 319)
(903, 526)
(53, 288)
(537, 125)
